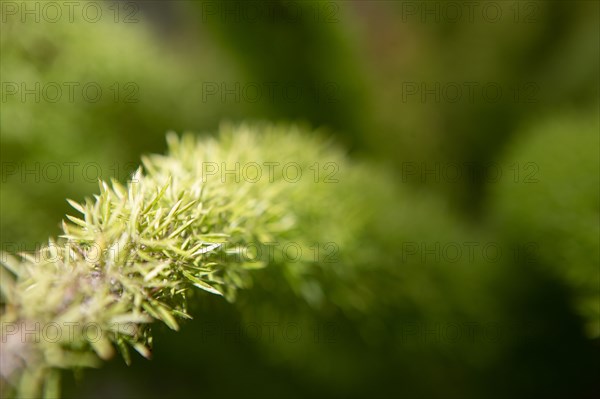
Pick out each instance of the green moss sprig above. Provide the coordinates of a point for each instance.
(133, 253)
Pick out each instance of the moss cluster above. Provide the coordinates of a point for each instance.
(192, 218)
(554, 203)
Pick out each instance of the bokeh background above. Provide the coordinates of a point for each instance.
(481, 118)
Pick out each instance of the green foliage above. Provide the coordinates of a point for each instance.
(558, 207)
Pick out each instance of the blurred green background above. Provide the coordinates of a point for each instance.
(482, 121)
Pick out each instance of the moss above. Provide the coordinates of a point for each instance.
(551, 199)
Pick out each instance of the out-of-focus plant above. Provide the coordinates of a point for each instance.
(551, 198)
(300, 55)
(404, 281)
(462, 86)
(72, 91)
